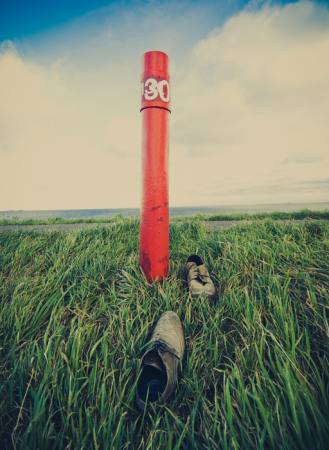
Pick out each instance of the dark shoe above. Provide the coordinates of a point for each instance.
(198, 279)
(160, 363)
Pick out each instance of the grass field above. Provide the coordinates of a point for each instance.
(76, 312)
(278, 215)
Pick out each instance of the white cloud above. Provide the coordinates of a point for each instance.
(257, 94)
(249, 121)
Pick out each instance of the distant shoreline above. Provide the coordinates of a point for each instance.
(174, 211)
(84, 222)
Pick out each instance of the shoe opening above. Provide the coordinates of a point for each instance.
(196, 259)
(152, 382)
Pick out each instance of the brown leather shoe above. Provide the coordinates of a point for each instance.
(198, 279)
(161, 362)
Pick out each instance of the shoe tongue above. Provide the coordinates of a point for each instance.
(154, 360)
(202, 270)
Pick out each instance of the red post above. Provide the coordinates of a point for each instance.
(155, 108)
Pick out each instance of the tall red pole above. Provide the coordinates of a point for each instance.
(155, 108)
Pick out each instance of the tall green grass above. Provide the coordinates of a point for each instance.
(76, 312)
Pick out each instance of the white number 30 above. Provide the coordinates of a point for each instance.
(152, 88)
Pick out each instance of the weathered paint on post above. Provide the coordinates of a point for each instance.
(155, 108)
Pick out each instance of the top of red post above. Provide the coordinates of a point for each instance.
(155, 80)
(156, 63)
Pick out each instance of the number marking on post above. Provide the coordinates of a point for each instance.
(151, 89)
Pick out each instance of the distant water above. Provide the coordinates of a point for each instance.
(179, 211)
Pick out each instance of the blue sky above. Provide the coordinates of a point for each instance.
(250, 101)
(22, 18)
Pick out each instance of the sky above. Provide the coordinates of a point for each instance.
(249, 92)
